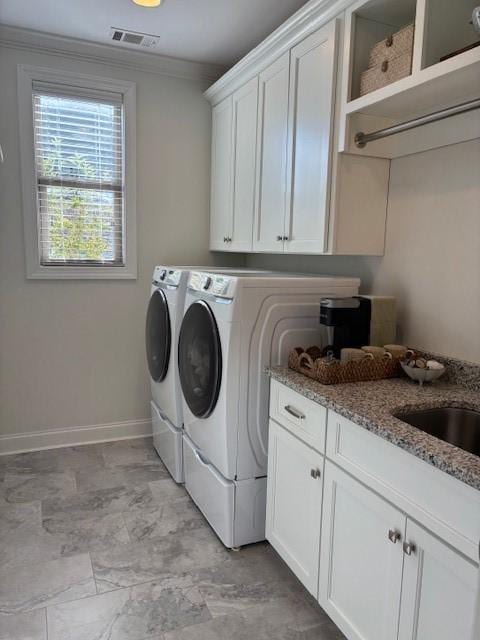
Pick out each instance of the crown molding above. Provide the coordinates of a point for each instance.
(306, 20)
(76, 49)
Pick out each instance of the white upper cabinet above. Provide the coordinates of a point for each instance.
(312, 95)
(269, 228)
(221, 194)
(439, 590)
(245, 104)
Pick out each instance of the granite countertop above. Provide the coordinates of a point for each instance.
(371, 404)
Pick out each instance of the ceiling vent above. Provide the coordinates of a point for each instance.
(133, 37)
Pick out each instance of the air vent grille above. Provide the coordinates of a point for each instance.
(133, 37)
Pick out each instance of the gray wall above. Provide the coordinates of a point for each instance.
(72, 352)
(432, 256)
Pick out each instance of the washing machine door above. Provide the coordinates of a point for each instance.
(200, 359)
(158, 336)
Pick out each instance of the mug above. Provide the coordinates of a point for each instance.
(349, 354)
(379, 353)
(399, 351)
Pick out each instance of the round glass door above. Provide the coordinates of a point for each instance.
(200, 359)
(158, 336)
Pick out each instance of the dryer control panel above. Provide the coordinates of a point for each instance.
(216, 284)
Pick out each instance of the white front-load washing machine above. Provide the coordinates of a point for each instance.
(164, 316)
(234, 326)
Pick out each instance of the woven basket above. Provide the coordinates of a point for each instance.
(390, 60)
(398, 44)
(314, 367)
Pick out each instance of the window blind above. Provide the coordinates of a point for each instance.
(79, 162)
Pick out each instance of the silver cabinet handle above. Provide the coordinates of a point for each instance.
(315, 473)
(394, 536)
(294, 412)
(408, 548)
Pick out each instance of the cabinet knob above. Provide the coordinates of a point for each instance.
(229, 239)
(315, 473)
(285, 237)
(225, 238)
(408, 548)
(279, 238)
(394, 536)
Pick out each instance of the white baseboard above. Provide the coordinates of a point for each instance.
(71, 436)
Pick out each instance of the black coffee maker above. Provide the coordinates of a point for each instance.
(347, 321)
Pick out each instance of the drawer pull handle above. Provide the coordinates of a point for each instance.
(408, 548)
(394, 536)
(315, 473)
(294, 412)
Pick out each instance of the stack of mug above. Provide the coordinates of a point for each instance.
(388, 351)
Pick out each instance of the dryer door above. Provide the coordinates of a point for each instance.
(200, 359)
(158, 336)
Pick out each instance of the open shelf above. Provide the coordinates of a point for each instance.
(441, 27)
(374, 21)
(447, 29)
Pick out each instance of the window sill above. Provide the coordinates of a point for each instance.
(82, 273)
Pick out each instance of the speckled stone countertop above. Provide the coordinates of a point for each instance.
(371, 405)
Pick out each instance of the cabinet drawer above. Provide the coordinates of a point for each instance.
(301, 416)
(444, 505)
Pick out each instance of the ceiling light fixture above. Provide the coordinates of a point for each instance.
(148, 3)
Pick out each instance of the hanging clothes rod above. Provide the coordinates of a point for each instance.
(362, 139)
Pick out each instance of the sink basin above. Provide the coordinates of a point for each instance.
(460, 427)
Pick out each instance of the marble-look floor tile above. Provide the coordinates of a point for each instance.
(34, 586)
(28, 546)
(129, 452)
(135, 613)
(24, 626)
(19, 516)
(77, 535)
(54, 460)
(28, 487)
(121, 475)
(174, 517)
(138, 562)
(167, 490)
(100, 502)
(282, 619)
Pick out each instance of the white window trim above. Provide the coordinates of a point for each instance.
(26, 75)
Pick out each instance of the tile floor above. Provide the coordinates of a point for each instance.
(98, 543)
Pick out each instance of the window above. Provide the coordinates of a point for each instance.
(79, 211)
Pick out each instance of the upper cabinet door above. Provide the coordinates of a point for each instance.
(439, 590)
(270, 207)
(312, 89)
(221, 205)
(245, 108)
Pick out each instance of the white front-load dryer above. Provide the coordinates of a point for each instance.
(233, 328)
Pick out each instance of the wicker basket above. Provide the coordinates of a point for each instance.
(390, 60)
(337, 373)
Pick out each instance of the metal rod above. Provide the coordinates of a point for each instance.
(362, 139)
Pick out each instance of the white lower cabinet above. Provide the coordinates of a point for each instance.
(361, 558)
(294, 503)
(361, 537)
(439, 590)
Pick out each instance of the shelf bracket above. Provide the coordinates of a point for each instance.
(362, 139)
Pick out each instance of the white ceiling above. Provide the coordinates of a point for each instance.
(214, 31)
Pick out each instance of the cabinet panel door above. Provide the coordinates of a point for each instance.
(272, 156)
(439, 590)
(245, 111)
(360, 567)
(294, 503)
(222, 186)
(312, 89)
